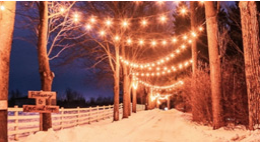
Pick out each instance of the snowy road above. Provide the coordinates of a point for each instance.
(146, 126)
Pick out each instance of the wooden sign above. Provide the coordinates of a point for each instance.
(41, 108)
(42, 94)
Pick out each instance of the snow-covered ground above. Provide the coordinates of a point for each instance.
(147, 126)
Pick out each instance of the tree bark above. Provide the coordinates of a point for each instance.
(116, 85)
(129, 96)
(134, 100)
(7, 20)
(46, 74)
(250, 34)
(125, 92)
(194, 58)
(215, 73)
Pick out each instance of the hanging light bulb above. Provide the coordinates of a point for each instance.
(141, 42)
(200, 29)
(163, 19)
(129, 41)
(88, 26)
(144, 22)
(164, 42)
(183, 11)
(174, 40)
(153, 43)
(92, 20)
(2, 8)
(62, 9)
(108, 22)
(102, 33)
(117, 38)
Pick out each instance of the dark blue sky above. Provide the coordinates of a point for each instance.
(24, 74)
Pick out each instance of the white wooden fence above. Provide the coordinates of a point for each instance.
(21, 124)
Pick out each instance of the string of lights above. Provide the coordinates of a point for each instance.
(160, 87)
(164, 70)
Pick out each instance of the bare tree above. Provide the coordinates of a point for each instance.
(215, 73)
(48, 23)
(7, 19)
(250, 35)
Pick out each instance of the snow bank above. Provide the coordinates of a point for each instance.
(147, 126)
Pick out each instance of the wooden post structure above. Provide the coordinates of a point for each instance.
(62, 118)
(7, 20)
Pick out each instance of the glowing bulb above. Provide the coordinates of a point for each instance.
(194, 34)
(152, 74)
(141, 42)
(117, 38)
(177, 51)
(129, 41)
(142, 74)
(183, 10)
(183, 46)
(62, 9)
(160, 2)
(174, 40)
(158, 62)
(144, 22)
(185, 37)
(158, 74)
(88, 26)
(162, 61)
(102, 33)
(92, 20)
(163, 72)
(169, 71)
(164, 42)
(200, 29)
(167, 58)
(165, 68)
(172, 55)
(153, 43)
(180, 66)
(191, 61)
(147, 74)
(2, 8)
(163, 18)
(189, 41)
(201, 2)
(150, 68)
(158, 68)
(124, 23)
(108, 22)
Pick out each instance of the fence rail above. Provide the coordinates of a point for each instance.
(21, 124)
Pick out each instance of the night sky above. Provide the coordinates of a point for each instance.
(24, 74)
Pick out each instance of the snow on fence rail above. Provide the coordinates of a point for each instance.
(21, 124)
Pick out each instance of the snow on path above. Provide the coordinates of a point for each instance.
(146, 126)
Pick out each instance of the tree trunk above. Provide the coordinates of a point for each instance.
(7, 20)
(116, 86)
(250, 34)
(129, 96)
(215, 74)
(134, 100)
(46, 74)
(194, 58)
(125, 93)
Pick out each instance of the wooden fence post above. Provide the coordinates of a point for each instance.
(78, 116)
(62, 118)
(89, 115)
(103, 112)
(16, 122)
(97, 114)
